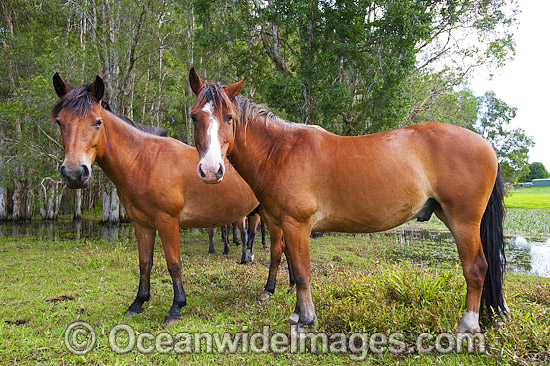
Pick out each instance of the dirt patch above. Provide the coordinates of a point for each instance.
(60, 298)
(17, 322)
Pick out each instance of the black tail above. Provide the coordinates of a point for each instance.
(492, 240)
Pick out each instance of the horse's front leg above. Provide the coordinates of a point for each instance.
(169, 234)
(296, 236)
(146, 245)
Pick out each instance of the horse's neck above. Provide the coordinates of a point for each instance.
(255, 143)
(122, 144)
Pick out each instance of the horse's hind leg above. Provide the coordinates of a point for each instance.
(474, 268)
(146, 245)
(253, 222)
(234, 231)
(225, 239)
(241, 224)
(262, 229)
(277, 247)
(169, 234)
(211, 249)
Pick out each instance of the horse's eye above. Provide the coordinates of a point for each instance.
(193, 118)
(58, 123)
(229, 118)
(98, 123)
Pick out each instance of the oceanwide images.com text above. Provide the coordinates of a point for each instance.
(80, 339)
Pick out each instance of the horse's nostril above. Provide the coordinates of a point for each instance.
(201, 173)
(62, 172)
(219, 174)
(85, 172)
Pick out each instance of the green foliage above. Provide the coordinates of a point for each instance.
(536, 171)
(511, 145)
(353, 67)
(488, 115)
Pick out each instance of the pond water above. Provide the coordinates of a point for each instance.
(68, 230)
(523, 255)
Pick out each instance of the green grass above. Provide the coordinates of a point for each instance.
(358, 286)
(538, 197)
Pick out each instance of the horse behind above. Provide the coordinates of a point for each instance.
(155, 178)
(309, 179)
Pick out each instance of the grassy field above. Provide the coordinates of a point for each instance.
(538, 197)
(358, 286)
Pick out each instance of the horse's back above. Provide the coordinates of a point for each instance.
(375, 182)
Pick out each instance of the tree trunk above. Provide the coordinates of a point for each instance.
(3, 205)
(106, 206)
(50, 203)
(114, 213)
(57, 201)
(111, 206)
(77, 204)
(17, 214)
(28, 205)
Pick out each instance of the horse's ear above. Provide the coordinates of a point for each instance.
(195, 81)
(233, 90)
(61, 88)
(97, 88)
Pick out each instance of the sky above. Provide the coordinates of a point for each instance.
(524, 83)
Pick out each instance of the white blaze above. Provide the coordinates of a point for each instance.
(214, 148)
(212, 161)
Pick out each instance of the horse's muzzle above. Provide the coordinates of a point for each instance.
(75, 175)
(211, 176)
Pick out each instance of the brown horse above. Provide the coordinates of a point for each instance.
(241, 224)
(155, 178)
(309, 179)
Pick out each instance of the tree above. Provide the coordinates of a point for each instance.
(354, 67)
(511, 145)
(536, 171)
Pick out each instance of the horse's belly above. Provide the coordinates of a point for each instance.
(366, 219)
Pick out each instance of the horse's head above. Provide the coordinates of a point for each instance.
(79, 115)
(214, 116)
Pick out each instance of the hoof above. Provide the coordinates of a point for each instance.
(168, 319)
(469, 323)
(211, 252)
(293, 319)
(264, 296)
(133, 310)
(237, 243)
(226, 252)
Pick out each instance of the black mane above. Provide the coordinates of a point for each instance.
(148, 129)
(79, 101)
(245, 108)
